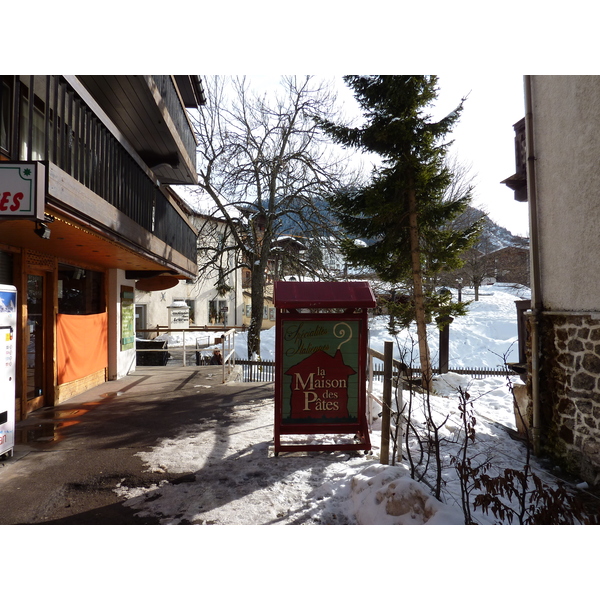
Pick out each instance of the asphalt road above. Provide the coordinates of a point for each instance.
(68, 459)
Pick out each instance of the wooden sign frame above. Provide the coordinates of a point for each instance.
(320, 365)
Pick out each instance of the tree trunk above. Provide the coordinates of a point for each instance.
(417, 276)
(256, 318)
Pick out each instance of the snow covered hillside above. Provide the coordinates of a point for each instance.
(495, 237)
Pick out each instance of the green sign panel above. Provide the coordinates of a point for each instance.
(127, 318)
(320, 370)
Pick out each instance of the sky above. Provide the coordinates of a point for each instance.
(483, 137)
(476, 52)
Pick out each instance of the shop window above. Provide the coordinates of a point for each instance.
(217, 311)
(4, 117)
(80, 291)
(6, 268)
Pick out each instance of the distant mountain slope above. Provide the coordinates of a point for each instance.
(494, 237)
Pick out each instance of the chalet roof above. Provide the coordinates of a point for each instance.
(324, 294)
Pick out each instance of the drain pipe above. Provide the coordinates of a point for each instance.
(536, 287)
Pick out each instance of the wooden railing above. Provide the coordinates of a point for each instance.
(57, 125)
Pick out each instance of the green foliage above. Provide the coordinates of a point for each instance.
(438, 305)
(413, 151)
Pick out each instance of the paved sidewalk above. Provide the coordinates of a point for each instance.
(68, 459)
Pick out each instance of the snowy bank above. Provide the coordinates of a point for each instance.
(232, 477)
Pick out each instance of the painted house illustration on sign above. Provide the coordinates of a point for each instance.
(320, 362)
(319, 388)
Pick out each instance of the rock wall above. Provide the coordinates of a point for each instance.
(570, 391)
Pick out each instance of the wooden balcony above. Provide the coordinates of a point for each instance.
(59, 123)
(148, 111)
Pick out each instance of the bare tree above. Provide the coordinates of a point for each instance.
(477, 263)
(218, 260)
(266, 166)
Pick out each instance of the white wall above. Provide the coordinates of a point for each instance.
(201, 292)
(566, 112)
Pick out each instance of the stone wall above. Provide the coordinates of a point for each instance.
(570, 391)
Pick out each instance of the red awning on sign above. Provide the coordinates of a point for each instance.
(324, 294)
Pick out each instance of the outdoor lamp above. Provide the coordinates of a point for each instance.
(43, 231)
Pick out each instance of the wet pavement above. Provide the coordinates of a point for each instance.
(68, 459)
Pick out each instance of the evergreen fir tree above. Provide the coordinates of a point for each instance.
(403, 210)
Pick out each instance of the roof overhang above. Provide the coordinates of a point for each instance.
(74, 243)
(134, 105)
(324, 294)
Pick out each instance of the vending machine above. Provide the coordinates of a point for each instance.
(8, 359)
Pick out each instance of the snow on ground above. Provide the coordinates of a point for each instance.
(479, 339)
(237, 480)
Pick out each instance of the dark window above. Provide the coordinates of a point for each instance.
(6, 268)
(80, 291)
(4, 116)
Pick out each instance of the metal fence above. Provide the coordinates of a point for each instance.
(256, 371)
(473, 372)
(197, 349)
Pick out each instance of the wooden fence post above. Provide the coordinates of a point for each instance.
(384, 453)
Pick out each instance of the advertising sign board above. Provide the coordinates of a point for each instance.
(320, 370)
(320, 385)
(22, 190)
(179, 315)
(127, 318)
(8, 360)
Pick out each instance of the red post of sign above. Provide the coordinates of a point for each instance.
(320, 365)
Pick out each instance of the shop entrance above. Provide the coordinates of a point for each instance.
(36, 340)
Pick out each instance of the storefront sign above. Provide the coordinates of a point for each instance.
(320, 384)
(22, 190)
(179, 315)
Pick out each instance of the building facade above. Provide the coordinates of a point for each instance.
(105, 150)
(557, 146)
(214, 297)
